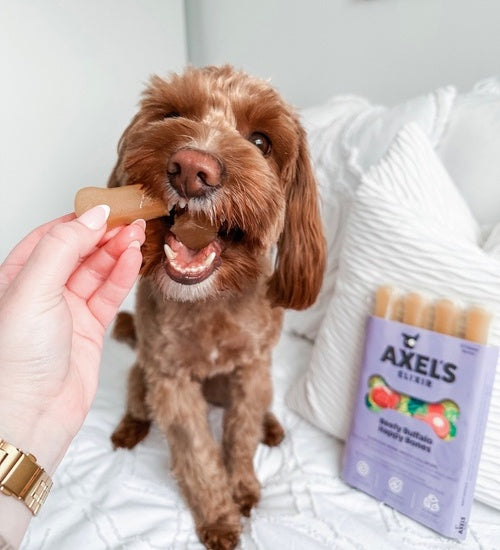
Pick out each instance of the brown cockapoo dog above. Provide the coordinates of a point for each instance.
(242, 241)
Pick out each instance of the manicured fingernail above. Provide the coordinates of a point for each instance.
(134, 244)
(140, 222)
(96, 217)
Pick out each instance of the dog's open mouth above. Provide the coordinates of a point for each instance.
(193, 246)
(188, 266)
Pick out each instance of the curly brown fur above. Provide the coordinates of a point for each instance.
(228, 148)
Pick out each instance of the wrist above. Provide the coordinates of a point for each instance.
(24, 486)
(16, 520)
(44, 439)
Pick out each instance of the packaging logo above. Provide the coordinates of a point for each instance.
(405, 357)
(409, 341)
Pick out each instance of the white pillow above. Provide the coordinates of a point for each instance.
(470, 146)
(346, 136)
(325, 126)
(409, 227)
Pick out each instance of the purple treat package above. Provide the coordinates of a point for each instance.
(418, 423)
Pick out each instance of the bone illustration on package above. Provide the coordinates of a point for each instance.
(421, 407)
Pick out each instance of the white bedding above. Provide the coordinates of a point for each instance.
(104, 499)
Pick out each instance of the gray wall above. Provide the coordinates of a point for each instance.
(71, 73)
(386, 50)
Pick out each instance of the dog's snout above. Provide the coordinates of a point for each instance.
(193, 173)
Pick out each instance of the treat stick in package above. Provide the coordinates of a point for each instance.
(421, 407)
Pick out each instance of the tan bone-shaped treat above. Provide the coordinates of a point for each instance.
(130, 202)
(127, 203)
(447, 317)
(415, 310)
(477, 325)
(194, 231)
(383, 299)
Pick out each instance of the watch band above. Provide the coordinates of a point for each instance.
(22, 477)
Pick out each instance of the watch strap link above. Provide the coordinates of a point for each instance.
(22, 477)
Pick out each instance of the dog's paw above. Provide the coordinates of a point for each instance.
(246, 502)
(129, 432)
(246, 494)
(273, 431)
(222, 534)
(124, 329)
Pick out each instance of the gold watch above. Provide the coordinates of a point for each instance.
(22, 477)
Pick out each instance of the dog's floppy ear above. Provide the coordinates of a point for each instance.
(300, 260)
(118, 176)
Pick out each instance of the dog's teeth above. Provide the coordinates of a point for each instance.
(182, 203)
(209, 259)
(171, 255)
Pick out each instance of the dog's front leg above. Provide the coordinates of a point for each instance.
(251, 393)
(181, 413)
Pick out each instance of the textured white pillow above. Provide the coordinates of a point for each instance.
(346, 136)
(409, 227)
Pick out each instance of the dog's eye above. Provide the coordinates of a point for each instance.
(171, 114)
(262, 142)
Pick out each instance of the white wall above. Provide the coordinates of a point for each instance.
(71, 74)
(71, 71)
(386, 50)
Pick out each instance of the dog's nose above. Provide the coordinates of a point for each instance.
(193, 173)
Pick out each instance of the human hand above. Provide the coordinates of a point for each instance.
(59, 290)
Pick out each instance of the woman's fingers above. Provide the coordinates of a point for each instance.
(104, 303)
(21, 252)
(95, 269)
(58, 252)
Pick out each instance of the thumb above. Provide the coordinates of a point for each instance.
(59, 252)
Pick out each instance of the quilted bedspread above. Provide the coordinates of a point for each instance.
(105, 499)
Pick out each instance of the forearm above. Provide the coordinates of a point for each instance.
(4, 545)
(14, 520)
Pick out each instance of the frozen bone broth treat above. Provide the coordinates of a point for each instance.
(126, 203)
(131, 202)
(194, 231)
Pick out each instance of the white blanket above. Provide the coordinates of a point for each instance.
(105, 499)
